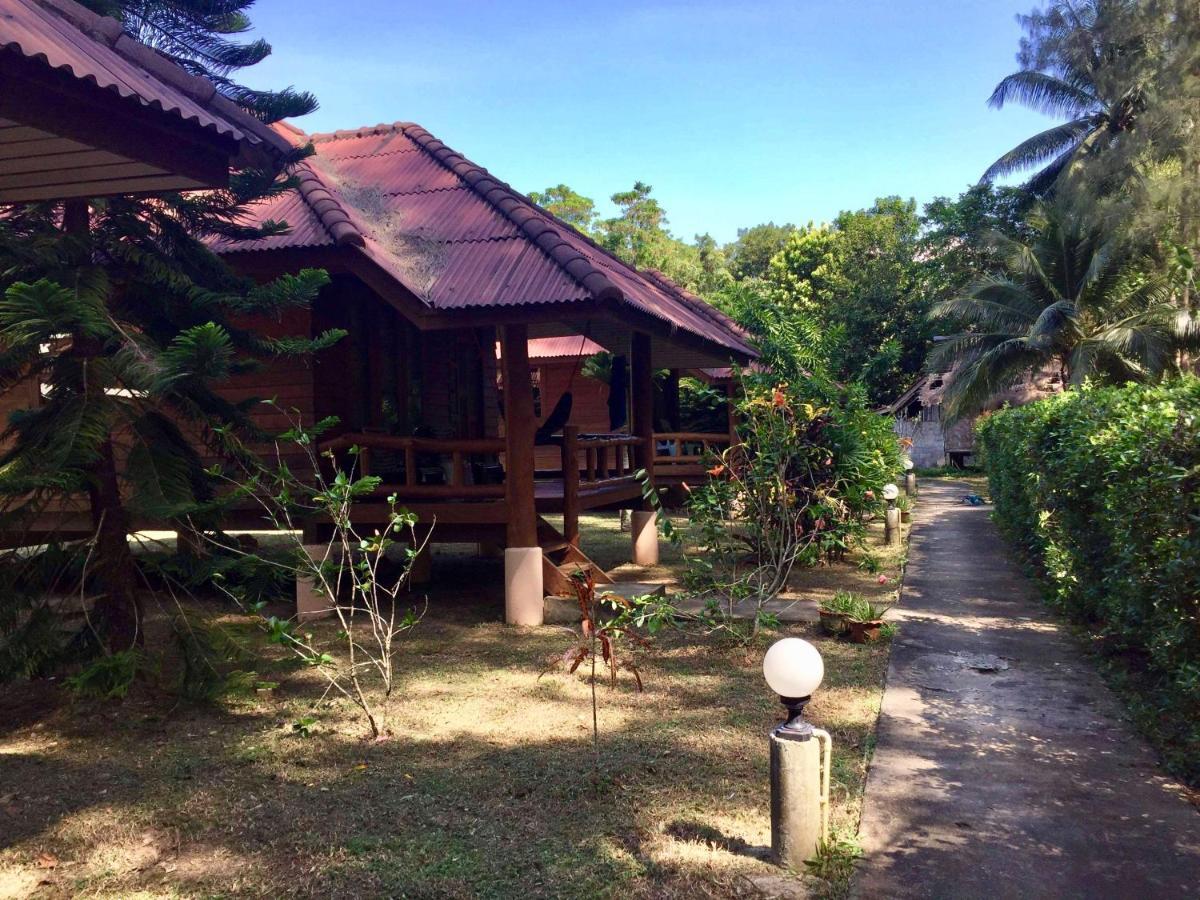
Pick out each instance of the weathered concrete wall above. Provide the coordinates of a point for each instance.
(928, 442)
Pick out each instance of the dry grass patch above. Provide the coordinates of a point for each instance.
(484, 791)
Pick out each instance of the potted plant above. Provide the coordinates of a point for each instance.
(836, 611)
(865, 623)
(904, 504)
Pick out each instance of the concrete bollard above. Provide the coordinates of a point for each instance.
(644, 534)
(910, 484)
(891, 527)
(523, 593)
(796, 824)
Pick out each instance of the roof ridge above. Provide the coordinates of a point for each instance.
(515, 208)
(698, 303)
(329, 207)
(363, 131)
(110, 33)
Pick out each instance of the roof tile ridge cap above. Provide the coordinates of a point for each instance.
(111, 33)
(345, 134)
(511, 205)
(701, 306)
(328, 207)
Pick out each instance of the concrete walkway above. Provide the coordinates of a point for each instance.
(1003, 767)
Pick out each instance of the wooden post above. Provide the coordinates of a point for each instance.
(642, 395)
(570, 475)
(731, 410)
(522, 557)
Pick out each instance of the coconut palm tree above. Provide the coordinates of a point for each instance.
(1069, 300)
(1079, 60)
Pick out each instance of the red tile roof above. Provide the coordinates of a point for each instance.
(65, 36)
(459, 238)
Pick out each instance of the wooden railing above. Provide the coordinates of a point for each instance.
(371, 460)
(690, 449)
(589, 460)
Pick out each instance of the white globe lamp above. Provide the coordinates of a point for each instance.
(890, 492)
(908, 464)
(793, 669)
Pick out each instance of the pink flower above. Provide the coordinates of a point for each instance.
(883, 579)
(870, 495)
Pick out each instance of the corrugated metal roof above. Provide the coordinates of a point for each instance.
(557, 347)
(460, 239)
(68, 37)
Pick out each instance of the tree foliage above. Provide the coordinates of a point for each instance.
(1075, 63)
(1068, 299)
(122, 321)
(751, 254)
(862, 281)
(199, 35)
(575, 209)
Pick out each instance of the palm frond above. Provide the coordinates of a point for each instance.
(1042, 147)
(1044, 93)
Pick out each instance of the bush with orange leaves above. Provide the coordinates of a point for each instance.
(794, 490)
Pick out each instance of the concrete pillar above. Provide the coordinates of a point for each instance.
(644, 533)
(311, 603)
(795, 800)
(523, 604)
(910, 483)
(891, 527)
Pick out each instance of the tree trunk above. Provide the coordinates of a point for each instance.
(119, 611)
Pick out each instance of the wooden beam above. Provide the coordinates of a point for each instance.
(519, 428)
(63, 105)
(642, 402)
(570, 475)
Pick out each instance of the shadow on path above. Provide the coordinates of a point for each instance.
(1003, 766)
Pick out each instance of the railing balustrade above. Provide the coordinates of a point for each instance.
(398, 462)
(686, 450)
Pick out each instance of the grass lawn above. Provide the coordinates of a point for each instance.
(485, 790)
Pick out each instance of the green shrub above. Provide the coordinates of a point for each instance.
(1099, 489)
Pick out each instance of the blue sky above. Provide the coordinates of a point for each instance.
(736, 113)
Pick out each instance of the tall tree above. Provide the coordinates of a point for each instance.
(863, 281)
(123, 321)
(958, 237)
(1079, 60)
(638, 234)
(1068, 299)
(750, 255)
(575, 209)
(199, 36)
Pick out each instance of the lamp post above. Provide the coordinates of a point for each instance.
(793, 669)
(910, 478)
(891, 524)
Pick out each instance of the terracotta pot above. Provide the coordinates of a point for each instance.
(832, 622)
(864, 632)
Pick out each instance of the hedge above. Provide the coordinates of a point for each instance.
(1099, 489)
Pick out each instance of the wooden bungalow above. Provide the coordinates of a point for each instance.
(937, 440)
(88, 111)
(435, 264)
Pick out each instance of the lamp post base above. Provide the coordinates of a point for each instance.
(796, 820)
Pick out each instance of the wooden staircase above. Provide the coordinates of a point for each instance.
(561, 559)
